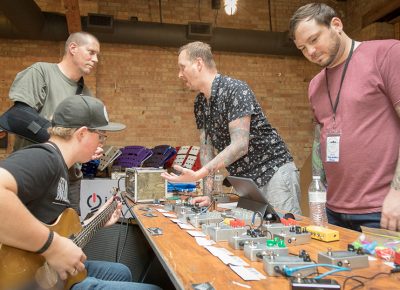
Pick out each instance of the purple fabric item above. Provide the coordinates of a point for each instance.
(133, 156)
(161, 154)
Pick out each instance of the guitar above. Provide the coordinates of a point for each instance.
(19, 267)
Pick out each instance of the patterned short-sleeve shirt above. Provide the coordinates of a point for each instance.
(232, 99)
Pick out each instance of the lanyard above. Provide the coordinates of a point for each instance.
(334, 107)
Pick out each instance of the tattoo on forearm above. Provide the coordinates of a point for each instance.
(239, 134)
(206, 149)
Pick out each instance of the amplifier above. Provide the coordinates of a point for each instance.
(145, 184)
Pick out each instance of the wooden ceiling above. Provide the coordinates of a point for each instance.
(389, 12)
(73, 15)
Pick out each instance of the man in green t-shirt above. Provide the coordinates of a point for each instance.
(42, 86)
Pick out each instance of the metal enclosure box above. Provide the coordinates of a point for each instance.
(145, 184)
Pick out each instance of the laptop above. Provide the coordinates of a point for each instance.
(251, 197)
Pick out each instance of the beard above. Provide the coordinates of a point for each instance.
(333, 50)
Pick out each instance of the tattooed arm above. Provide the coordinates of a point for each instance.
(317, 166)
(206, 148)
(239, 132)
(390, 209)
(207, 153)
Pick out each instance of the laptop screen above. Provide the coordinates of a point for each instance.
(247, 189)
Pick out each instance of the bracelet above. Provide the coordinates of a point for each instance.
(46, 244)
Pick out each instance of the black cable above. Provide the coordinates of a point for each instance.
(118, 187)
(118, 241)
(362, 277)
(126, 238)
(118, 257)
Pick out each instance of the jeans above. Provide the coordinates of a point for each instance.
(108, 275)
(283, 189)
(354, 221)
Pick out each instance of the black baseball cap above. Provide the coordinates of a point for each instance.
(79, 111)
(23, 120)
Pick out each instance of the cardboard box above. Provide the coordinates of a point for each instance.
(145, 184)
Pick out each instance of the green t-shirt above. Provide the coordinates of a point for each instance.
(42, 86)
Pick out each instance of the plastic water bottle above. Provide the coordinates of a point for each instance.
(218, 180)
(317, 202)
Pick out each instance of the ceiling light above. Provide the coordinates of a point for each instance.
(230, 6)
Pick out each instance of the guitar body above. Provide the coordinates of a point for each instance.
(19, 267)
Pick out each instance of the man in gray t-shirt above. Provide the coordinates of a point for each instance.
(43, 86)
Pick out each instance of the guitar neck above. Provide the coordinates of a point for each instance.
(91, 228)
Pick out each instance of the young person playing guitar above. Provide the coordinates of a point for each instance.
(34, 192)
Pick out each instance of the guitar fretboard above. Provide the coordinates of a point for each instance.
(91, 228)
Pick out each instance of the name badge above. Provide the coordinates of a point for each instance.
(332, 148)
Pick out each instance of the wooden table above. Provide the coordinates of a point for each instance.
(188, 263)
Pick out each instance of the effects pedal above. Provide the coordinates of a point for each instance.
(348, 259)
(238, 242)
(224, 232)
(273, 265)
(275, 228)
(323, 234)
(205, 228)
(257, 251)
(197, 220)
(315, 284)
(297, 236)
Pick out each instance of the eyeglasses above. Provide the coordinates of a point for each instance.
(102, 135)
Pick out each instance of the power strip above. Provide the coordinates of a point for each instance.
(308, 283)
(323, 234)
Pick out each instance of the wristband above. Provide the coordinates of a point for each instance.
(46, 244)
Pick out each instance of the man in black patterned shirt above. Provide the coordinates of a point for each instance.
(231, 121)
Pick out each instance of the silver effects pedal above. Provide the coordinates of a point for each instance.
(256, 251)
(222, 232)
(348, 259)
(184, 214)
(275, 228)
(297, 236)
(197, 220)
(238, 242)
(274, 265)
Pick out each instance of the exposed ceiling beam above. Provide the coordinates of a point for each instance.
(73, 15)
(385, 12)
(25, 16)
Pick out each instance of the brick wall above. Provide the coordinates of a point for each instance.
(140, 87)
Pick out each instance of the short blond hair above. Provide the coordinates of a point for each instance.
(64, 133)
(199, 49)
(80, 38)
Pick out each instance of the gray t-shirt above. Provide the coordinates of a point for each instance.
(42, 86)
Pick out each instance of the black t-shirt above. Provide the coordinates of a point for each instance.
(232, 99)
(42, 179)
